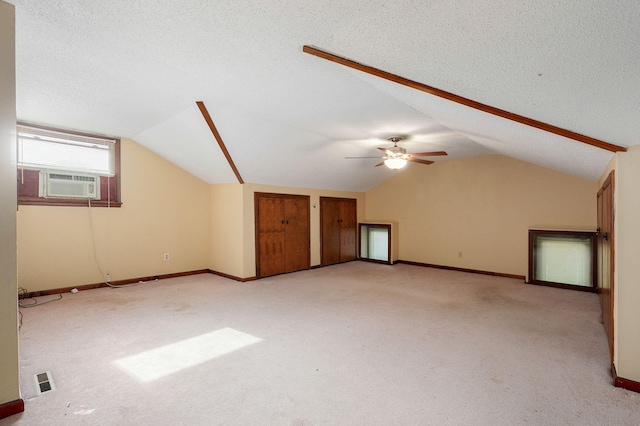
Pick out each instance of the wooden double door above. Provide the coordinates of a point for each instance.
(338, 229)
(282, 233)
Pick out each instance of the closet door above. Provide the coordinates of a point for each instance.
(348, 231)
(282, 233)
(270, 234)
(330, 230)
(297, 236)
(338, 220)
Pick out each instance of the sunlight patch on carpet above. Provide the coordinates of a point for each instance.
(156, 363)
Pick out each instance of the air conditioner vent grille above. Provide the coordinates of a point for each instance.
(67, 185)
(59, 176)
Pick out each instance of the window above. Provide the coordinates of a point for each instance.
(562, 259)
(375, 242)
(70, 161)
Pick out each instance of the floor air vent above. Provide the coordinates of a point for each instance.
(44, 382)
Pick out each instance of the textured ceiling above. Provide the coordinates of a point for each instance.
(136, 69)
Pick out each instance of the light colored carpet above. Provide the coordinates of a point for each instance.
(356, 343)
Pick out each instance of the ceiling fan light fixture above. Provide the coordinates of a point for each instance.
(395, 163)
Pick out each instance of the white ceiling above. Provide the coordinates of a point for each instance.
(136, 69)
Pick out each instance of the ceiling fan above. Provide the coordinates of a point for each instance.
(396, 157)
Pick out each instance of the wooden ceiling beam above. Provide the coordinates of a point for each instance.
(462, 100)
(207, 118)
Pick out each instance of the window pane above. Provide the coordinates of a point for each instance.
(379, 244)
(374, 242)
(54, 150)
(51, 155)
(564, 259)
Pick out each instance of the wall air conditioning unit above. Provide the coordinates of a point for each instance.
(69, 185)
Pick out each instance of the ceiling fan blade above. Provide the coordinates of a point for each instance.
(428, 154)
(352, 158)
(383, 149)
(417, 160)
(379, 164)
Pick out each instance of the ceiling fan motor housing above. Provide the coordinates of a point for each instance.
(396, 151)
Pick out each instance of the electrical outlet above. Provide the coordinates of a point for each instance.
(165, 257)
(108, 278)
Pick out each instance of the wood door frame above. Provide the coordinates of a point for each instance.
(608, 183)
(256, 217)
(321, 199)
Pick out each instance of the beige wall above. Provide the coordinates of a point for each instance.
(475, 213)
(164, 210)
(9, 383)
(627, 267)
(227, 229)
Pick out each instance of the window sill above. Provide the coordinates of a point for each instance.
(69, 202)
(590, 289)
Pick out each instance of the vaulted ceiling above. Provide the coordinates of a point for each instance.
(135, 69)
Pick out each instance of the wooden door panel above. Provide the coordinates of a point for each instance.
(606, 257)
(282, 233)
(297, 253)
(348, 230)
(330, 231)
(338, 218)
(271, 242)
